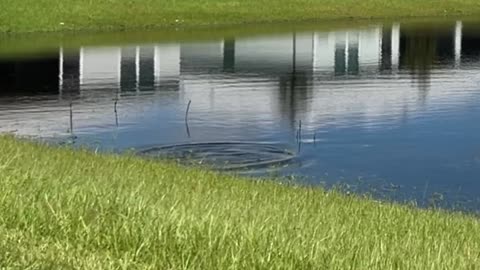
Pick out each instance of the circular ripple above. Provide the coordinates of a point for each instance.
(223, 155)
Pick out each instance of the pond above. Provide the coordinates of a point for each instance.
(385, 109)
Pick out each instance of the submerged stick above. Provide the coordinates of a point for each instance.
(71, 118)
(425, 191)
(115, 110)
(186, 118)
(299, 136)
(188, 129)
(299, 131)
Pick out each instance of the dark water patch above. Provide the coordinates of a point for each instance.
(224, 155)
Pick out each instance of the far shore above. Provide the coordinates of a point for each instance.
(24, 16)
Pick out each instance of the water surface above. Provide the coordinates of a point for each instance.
(384, 109)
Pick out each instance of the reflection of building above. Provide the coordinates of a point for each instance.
(340, 53)
(351, 52)
(297, 76)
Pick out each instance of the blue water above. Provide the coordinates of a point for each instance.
(384, 110)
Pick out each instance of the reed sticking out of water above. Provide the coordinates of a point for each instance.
(314, 137)
(188, 109)
(186, 118)
(115, 110)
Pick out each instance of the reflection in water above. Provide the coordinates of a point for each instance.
(26, 77)
(420, 54)
(387, 104)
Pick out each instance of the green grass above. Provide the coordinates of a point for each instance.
(51, 15)
(66, 209)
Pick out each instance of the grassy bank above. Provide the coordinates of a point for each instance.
(49, 15)
(62, 209)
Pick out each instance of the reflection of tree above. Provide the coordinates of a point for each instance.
(293, 95)
(470, 42)
(229, 55)
(35, 76)
(294, 88)
(386, 59)
(128, 77)
(419, 54)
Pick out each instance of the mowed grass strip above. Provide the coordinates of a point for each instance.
(74, 209)
(50, 15)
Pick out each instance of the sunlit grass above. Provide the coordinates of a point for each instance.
(49, 15)
(62, 209)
